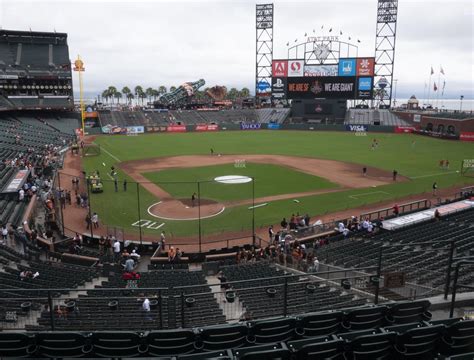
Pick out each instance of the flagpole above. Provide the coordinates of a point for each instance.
(439, 84)
(429, 85)
(424, 93)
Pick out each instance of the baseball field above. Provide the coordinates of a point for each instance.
(288, 172)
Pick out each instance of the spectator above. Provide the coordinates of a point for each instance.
(284, 223)
(4, 233)
(116, 247)
(396, 210)
(316, 265)
(135, 256)
(129, 264)
(437, 215)
(171, 255)
(95, 220)
(146, 309)
(271, 234)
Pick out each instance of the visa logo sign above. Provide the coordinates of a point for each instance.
(357, 128)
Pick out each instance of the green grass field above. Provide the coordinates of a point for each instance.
(419, 161)
(269, 180)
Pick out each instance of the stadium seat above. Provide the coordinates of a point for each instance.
(364, 318)
(13, 344)
(322, 347)
(458, 338)
(405, 312)
(416, 341)
(222, 337)
(467, 356)
(170, 342)
(117, 344)
(371, 346)
(277, 351)
(215, 355)
(318, 324)
(63, 344)
(273, 330)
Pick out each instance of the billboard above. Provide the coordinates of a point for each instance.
(250, 126)
(347, 67)
(207, 127)
(357, 128)
(279, 87)
(364, 88)
(320, 70)
(295, 68)
(365, 66)
(330, 87)
(176, 128)
(280, 68)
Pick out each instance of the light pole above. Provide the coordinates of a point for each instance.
(395, 94)
(460, 105)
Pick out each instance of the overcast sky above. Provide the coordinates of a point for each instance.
(153, 43)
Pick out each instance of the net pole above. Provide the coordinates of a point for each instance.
(199, 215)
(139, 216)
(60, 204)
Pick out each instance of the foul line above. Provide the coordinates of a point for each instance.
(369, 193)
(110, 154)
(257, 206)
(438, 174)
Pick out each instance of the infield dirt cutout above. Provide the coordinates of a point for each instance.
(346, 175)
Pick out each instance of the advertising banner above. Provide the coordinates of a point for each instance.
(17, 182)
(364, 88)
(320, 70)
(279, 85)
(331, 87)
(280, 68)
(113, 130)
(136, 129)
(467, 136)
(205, 127)
(347, 67)
(176, 128)
(365, 66)
(404, 129)
(251, 126)
(417, 118)
(357, 128)
(273, 126)
(295, 68)
(156, 128)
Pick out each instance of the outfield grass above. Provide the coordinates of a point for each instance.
(418, 161)
(269, 180)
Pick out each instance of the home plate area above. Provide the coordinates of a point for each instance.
(184, 209)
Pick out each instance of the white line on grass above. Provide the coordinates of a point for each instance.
(110, 154)
(430, 175)
(257, 206)
(369, 193)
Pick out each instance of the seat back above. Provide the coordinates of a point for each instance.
(117, 344)
(319, 324)
(459, 338)
(223, 337)
(267, 331)
(410, 311)
(170, 342)
(14, 344)
(214, 355)
(63, 344)
(419, 343)
(277, 351)
(365, 318)
(377, 346)
(322, 347)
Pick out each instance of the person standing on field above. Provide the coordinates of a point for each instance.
(435, 188)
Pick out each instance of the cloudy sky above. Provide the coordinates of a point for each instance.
(153, 43)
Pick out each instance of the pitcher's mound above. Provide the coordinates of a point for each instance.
(183, 209)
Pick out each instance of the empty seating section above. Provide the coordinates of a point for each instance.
(369, 116)
(94, 312)
(423, 263)
(303, 337)
(256, 300)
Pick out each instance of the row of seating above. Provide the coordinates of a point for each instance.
(267, 339)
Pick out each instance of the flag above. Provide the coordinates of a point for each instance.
(322, 26)
(330, 29)
(340, 32)
(441, 70)
(432, 71)
(305, 34)
(444, 84)
(435, 88)
(288, 43)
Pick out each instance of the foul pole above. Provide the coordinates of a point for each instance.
(79, 67)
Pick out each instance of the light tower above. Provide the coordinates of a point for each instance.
(264, 49)
(387, 11)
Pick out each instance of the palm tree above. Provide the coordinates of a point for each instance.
(245, 92)
(138, 92)
(156, 93)
(118, 96)
(112, 90)
(233, 93)
(105, 95)
(172, 88)
(149, 93)
(130, 97)
(125, 91)
(162, 90)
